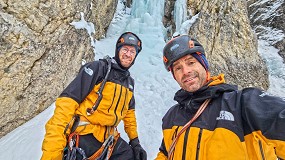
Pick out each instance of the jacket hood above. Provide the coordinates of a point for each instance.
(118, 67)
(114, 64)
(215, 87)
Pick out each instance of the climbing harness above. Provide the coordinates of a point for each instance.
(72, 148)
(105, 151)
(198, 113)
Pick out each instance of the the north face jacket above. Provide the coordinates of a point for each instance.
(117, 104)
(248, 124)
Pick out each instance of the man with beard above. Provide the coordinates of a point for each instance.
(88, 111)
(214, 120)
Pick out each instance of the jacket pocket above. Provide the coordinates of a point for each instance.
(264, 149)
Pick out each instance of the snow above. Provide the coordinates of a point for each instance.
(269, 11)
(25, 141)
(271, 35)
(154, 86)
(185, 26)
(267, 37)
(89, 26)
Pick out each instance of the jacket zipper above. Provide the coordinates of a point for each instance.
(117, 106)
(124, 102)
(113, 98)
(261, 150)
(198, 144)
(173, 137)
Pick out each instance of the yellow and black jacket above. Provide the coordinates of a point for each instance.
(248, 124)
(118, 104)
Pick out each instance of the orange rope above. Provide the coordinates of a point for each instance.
(198, 113)
(76, 140)
(110, 148)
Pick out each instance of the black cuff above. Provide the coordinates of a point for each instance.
(134, 142)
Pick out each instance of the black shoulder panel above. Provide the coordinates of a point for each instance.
(264, 112)
(89, 75)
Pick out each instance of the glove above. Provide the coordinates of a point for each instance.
(139, 152)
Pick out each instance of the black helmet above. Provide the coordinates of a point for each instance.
(180, 46)
(129, 38)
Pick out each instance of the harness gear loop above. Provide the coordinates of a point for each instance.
(90, 111)
(73, 139)
(74, 121)
(72, 148)
(187, 125)
(108, 130)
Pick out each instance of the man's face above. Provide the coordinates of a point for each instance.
(189, 73)
(127, 55)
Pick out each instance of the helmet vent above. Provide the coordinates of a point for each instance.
(165, 59)
(121, 40)
(191, 44)
(131, 38)
(174, 47)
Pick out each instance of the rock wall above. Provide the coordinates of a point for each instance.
(40, 52)
(224, 29)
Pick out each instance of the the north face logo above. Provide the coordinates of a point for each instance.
(131, 87)
(225, 115)
(88, 71)
(131, 38)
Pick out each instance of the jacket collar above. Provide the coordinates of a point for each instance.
(117, 67)
(213, 89)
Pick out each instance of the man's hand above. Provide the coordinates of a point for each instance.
(139, 152)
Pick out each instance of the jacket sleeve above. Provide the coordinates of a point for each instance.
(66, 104)
(264, 117)
(55, 140)
(130, 122)
(162, 154)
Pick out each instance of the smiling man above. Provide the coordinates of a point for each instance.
(214, 120)
(127, 55)
(90, 108)
(189, 73)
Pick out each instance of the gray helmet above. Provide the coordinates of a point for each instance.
(180, 46)
(129, 38)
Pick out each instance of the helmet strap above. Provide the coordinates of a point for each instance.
(171, 70)
(208, 76)
(117, 58)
